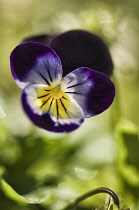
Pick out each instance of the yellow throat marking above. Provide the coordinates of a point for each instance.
(53, 100)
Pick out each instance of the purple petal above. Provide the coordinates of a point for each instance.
(57, 115)
(91, 89)
(79, 48)
(43, 38)
(34, 62)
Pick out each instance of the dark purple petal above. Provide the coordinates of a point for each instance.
(46, 122)
(34, 62)
(43, 38)
(79, 48)
(91, 89)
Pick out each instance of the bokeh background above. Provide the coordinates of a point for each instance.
(42, 170)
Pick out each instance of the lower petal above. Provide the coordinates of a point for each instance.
(55, 114)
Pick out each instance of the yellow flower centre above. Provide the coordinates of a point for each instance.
(54, 100)
(56, 92)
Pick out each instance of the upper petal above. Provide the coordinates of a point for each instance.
(79, 48)
(34, 62)
(91, 89)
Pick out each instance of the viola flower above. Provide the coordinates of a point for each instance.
(54, 103)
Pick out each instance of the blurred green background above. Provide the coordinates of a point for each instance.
(42, 170)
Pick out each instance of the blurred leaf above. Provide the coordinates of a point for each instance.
(37, 196)
(102, 208)
(2, 170)
(11, 193)
(126, 209)
(113, 207)
(128, 148)
(106, 207)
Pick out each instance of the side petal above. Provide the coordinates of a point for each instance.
(91, 89)
(34, 62)
(78, 48)
(49, 113)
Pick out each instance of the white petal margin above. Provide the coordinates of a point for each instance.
(62, 111)
(31, 92)
(77, 85)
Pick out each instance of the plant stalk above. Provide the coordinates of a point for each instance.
(94, 192)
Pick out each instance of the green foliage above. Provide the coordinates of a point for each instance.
(128, 139)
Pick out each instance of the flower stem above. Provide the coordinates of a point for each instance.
(94, 192)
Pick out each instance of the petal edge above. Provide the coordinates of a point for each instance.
(92, 90)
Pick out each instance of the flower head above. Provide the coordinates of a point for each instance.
(54, 103)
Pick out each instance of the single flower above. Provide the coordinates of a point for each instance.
(54, 103)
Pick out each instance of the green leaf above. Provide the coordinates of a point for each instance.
(35, 197)
(127, 134)
(126, 209)
(11, 193)
(113, 207)
(106, 207)
(102, 208)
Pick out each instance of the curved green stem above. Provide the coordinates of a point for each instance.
(94, 192)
